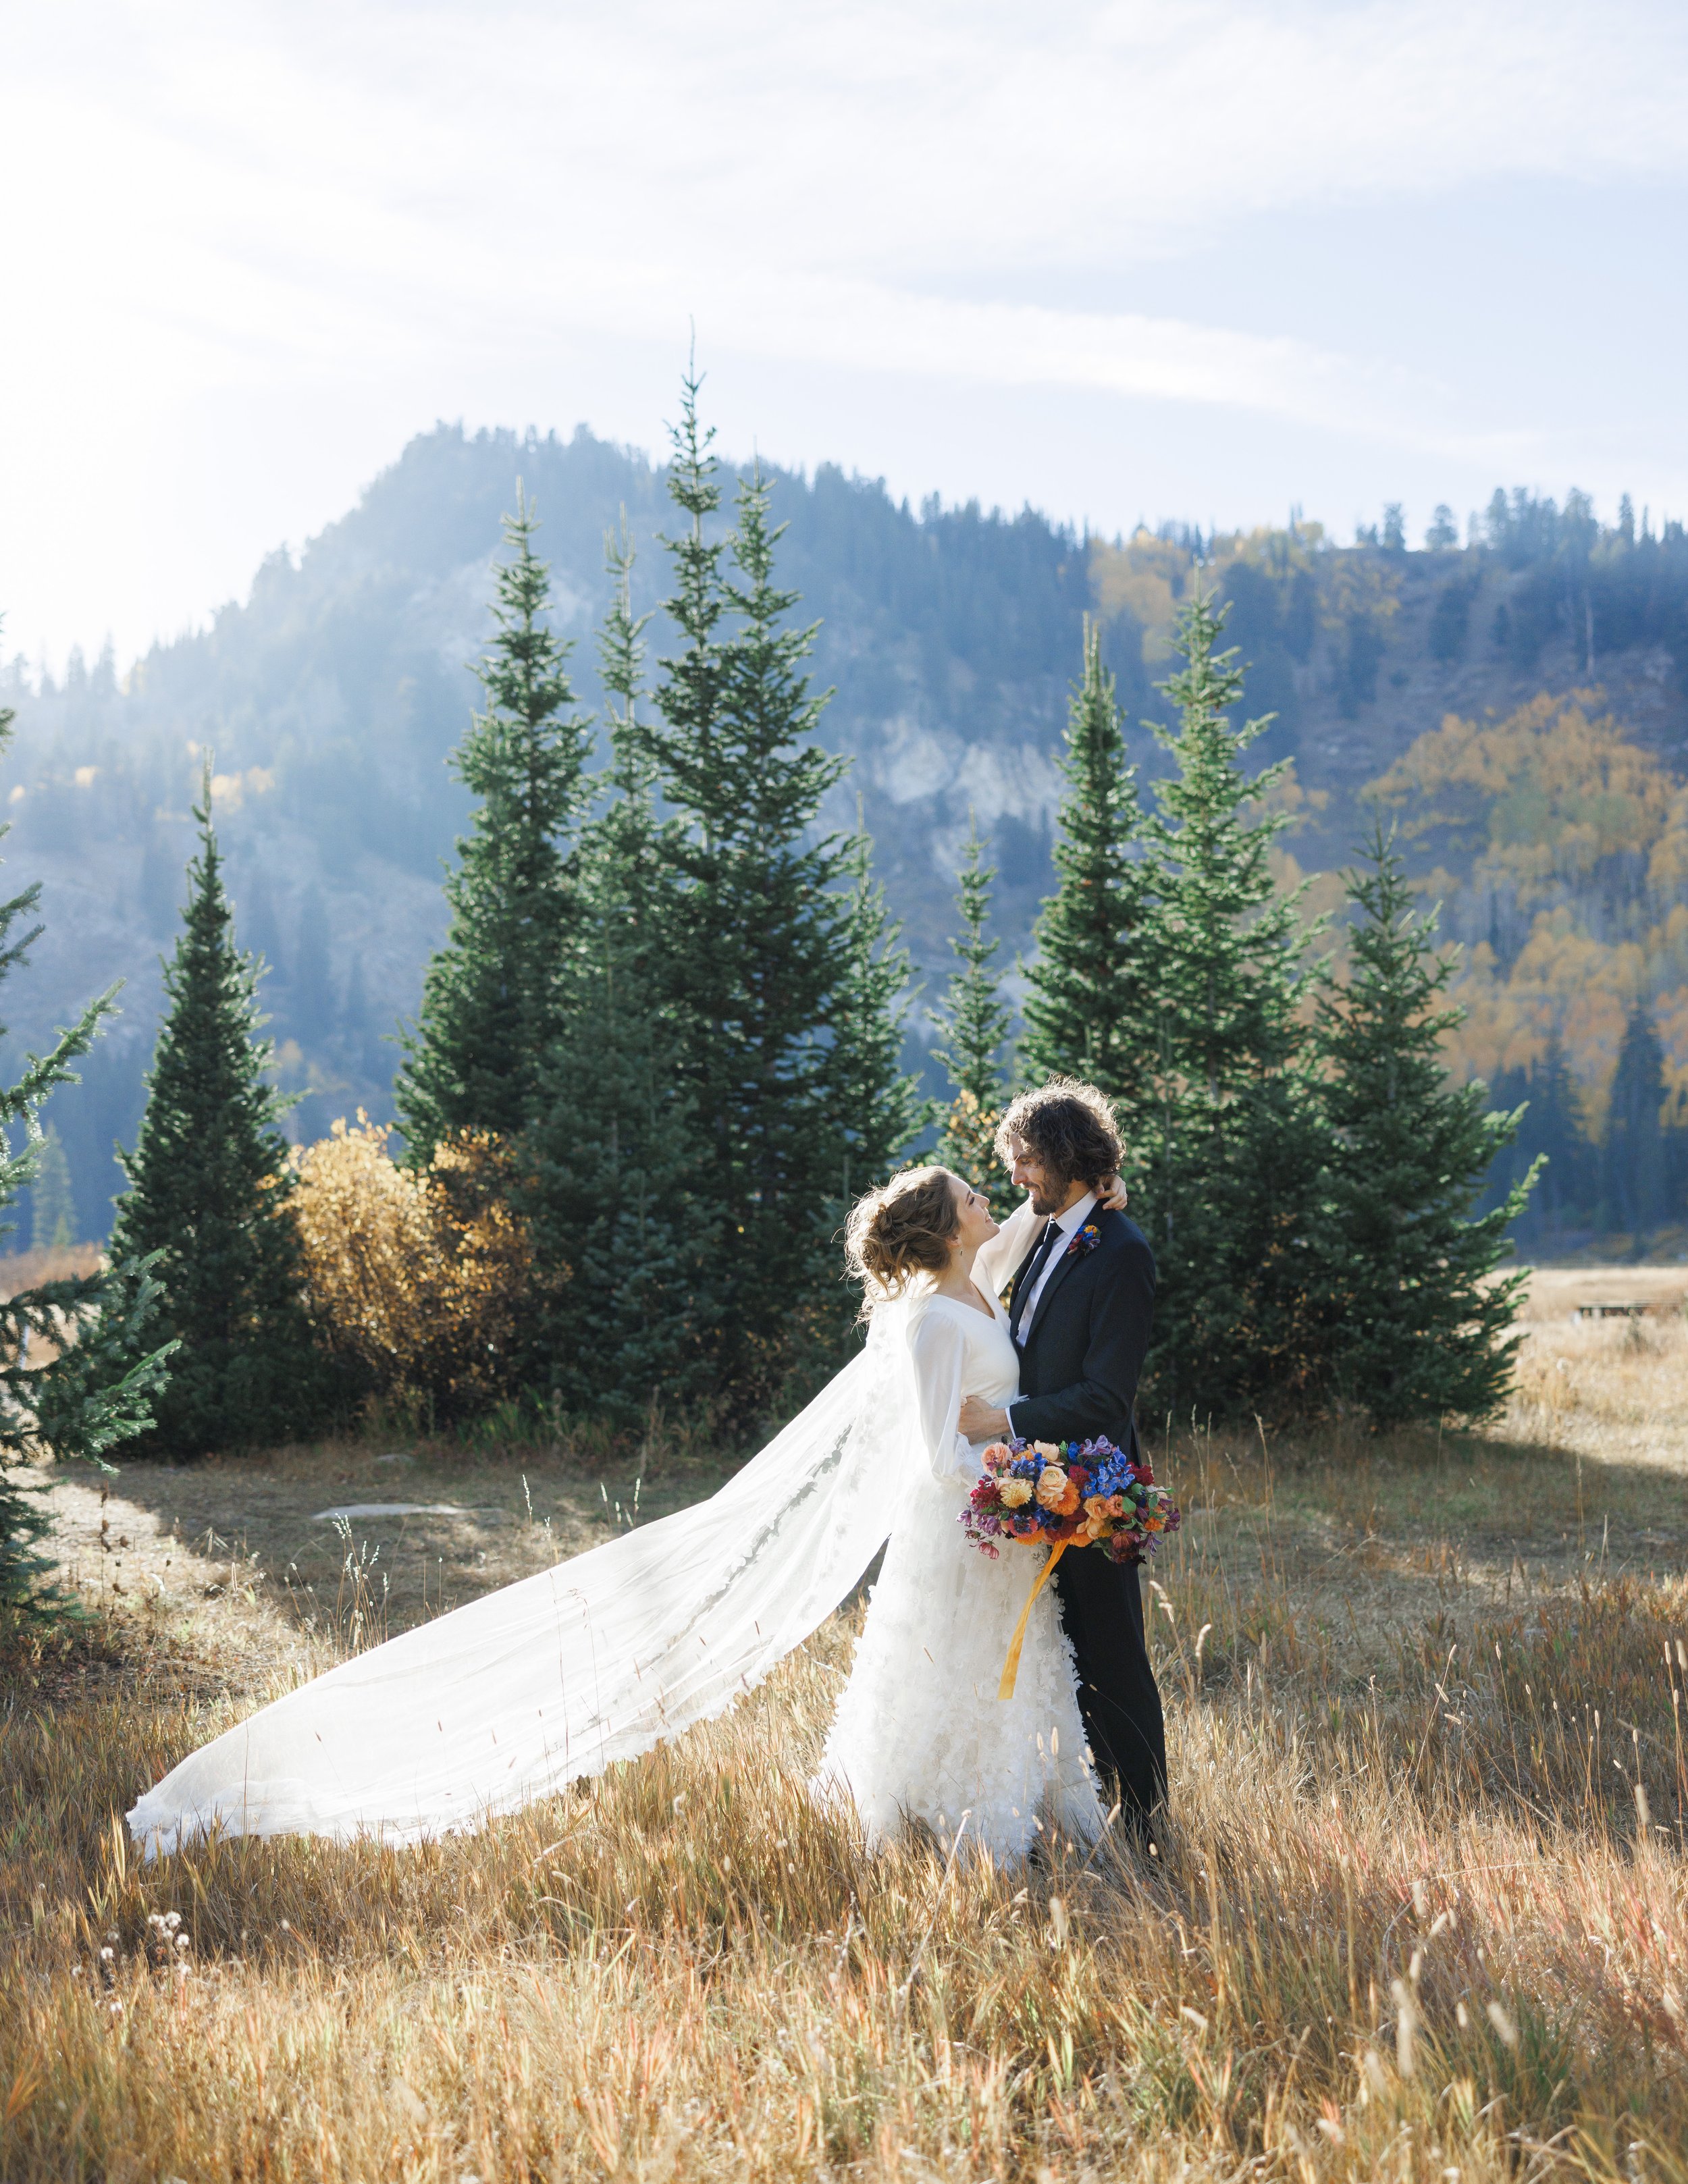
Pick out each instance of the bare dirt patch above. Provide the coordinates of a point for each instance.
(225, 1573)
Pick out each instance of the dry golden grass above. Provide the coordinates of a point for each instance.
(1412, 1919)
(53, 1262)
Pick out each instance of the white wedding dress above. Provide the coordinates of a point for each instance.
(920, 1732)
(528, 1689)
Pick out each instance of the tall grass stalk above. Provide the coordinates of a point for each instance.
(1420, 1914)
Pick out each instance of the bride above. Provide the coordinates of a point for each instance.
(920, 1731)
(594, 1661)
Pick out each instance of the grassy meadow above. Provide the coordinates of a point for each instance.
(1421, 1912)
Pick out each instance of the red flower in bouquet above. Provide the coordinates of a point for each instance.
(1062, 1495)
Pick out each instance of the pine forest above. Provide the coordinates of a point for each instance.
(705, 965)
(844, 1096)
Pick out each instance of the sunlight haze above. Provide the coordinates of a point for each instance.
(1203, 262)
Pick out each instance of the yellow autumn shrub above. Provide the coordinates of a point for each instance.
(421, 1281)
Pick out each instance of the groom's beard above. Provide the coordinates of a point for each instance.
(1046, 1204)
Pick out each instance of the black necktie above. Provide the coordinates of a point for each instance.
(1022, 1295)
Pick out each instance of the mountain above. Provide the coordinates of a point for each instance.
(332, 695)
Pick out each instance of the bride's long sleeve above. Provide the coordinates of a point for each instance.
(940, 1349)
(997, 1259)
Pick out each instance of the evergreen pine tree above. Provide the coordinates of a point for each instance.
(763, 936)
(1420, 1327)
(611, 1200)
(208, 1202)
(359, 1042)
(1552, 1134)
(1508, 1092)
(974, 1021)
(258, 918)
(52, 1208)
(1090, 1008)
(878, 1110)
(493, 1000)
(1229, 1157)
(96, 1389)
(156, 893)
(310, 1009)
(1634, 1149)
(1559, 1129)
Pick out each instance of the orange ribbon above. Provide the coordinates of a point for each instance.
(1010, 1667)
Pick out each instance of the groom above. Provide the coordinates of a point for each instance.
(1080, 1310)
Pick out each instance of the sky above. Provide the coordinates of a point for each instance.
(1208, 259)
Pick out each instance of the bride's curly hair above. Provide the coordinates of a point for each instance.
(903, 1228)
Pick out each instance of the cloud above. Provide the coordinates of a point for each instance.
(868, 325)
(310, 186)
(289, 192)
(214, 205)
(984, 135)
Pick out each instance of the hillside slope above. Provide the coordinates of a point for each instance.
(332, 695)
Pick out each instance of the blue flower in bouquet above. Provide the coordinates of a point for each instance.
(1069, 1493)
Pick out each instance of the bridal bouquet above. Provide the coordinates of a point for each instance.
(1068, 1494)
(1062, 1495)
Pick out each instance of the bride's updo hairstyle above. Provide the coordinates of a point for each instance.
(903, 1229)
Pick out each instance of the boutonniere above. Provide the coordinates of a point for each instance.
(1086, 1240)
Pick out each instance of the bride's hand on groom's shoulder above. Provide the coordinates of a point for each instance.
(1112, 1194)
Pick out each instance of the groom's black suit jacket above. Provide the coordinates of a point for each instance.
(1079, 1360)
(1081, 1355)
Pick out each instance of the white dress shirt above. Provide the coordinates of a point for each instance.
(1068, 1226)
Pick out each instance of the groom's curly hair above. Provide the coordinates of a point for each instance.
(1069, 1126)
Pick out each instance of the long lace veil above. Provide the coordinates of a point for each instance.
(592, 1662)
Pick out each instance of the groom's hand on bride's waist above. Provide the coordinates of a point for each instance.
(983, 1421)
